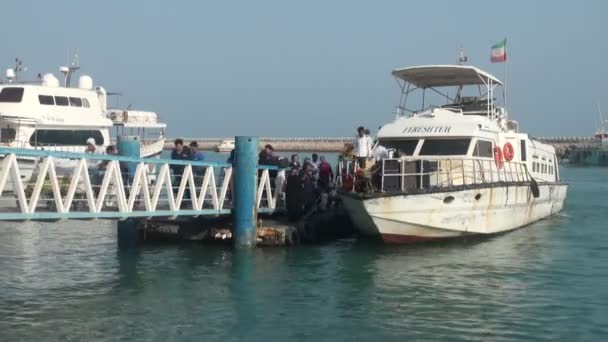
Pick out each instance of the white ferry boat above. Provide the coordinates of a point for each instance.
(453, 168)
(226, 145)
(45, 115)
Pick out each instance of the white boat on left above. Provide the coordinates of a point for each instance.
(44, 114)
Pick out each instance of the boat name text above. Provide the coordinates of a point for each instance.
(427, 129)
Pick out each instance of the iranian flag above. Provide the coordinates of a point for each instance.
(499, 52)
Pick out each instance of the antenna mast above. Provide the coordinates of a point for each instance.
(462, 59)
(67, 71)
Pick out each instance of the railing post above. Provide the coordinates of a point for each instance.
(244, 210)
(128, 146)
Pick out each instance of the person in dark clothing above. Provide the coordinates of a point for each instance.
(293, 195)
(180, 152)
(308, 187)
(266, 156)
(295, 162)
(326, 174)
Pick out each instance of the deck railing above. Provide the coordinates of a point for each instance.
(55, 185)
(409, 174)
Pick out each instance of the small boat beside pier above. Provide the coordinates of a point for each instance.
(452, 168)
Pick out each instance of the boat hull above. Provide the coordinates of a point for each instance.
(409, 218)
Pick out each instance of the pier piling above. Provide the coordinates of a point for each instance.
(128, 146)
(245, 176)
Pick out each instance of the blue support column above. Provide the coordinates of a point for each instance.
(245, 180)
(128, 146)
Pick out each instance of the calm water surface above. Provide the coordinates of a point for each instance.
(549, 281)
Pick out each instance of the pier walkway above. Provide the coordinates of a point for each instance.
(47, 185)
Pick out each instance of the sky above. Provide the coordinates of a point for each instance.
(314, 68)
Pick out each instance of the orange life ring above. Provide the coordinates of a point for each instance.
(498, 156)
(508, 151)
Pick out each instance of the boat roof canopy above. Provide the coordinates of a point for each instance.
(427, 76)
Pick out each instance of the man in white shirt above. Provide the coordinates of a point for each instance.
(92, 147)
(362, 147)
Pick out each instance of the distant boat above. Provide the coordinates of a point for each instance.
(226, 145)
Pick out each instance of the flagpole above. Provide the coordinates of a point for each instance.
(505, 87)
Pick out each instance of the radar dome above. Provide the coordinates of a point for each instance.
(50, 80)
(85, 82)
(10, 73)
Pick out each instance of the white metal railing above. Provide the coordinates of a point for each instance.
(76, 185)
(425, 173)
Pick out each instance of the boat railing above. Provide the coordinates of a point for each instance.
(420, 173)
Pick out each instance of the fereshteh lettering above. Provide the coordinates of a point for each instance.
(427, 129)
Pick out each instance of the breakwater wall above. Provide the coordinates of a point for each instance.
(319, 144)
(336, 144)
(562, 143)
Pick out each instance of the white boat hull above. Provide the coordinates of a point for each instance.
(428, 216)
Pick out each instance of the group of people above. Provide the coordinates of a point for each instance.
(183, 152)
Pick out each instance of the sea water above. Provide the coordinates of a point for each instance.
(548, 281)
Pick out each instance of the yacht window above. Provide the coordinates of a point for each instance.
(534, 167)
(7, 135)
(11, 94)
(523, 150)
(65, 137)
(402, 147)
(445, 147)
(85, 103)
(75, 102)
(483, 148)
(61, 101)
(46, 100)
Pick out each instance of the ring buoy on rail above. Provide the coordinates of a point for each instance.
(508, 151)
(498, 156)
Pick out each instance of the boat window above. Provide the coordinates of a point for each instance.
(85, 103)
(445, 147)
(7, 135)
(483, 148)
(523, 150)
(61, 101)
(11, 94)
(534, 167)
(75, 102)
(65, 137)
(46, 100)
(401, 147)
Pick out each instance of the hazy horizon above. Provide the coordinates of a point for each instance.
(274, 68)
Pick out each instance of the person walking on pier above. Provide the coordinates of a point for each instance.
(180, 152)
(266, 156)
(326, 174)
(362, 147)
(197, 155)
(295, 162)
